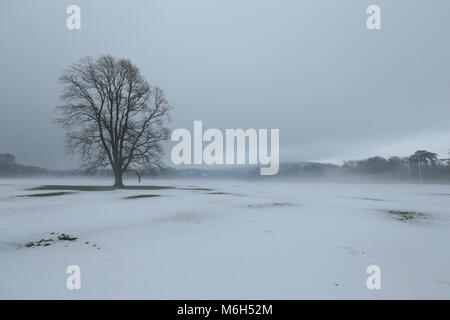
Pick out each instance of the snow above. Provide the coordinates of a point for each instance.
(251, 240)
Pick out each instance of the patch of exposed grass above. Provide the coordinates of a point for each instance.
(66, 237)
(140, 196)
(271, 205)
(404, 216)
(226, 193)
(76, 188)
(371, 199)
(99, 188)
(218, 192)
(147, 187)
(42, 242)
(111, 188)
(190, 217)
(48, 194)
(352, 251)
(196, 189)
(47, 242)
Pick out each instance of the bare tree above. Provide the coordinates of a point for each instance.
(112, 116)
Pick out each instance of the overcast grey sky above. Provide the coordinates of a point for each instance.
(310, 68)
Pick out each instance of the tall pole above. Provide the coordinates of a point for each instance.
(409, 170)
(420, 172)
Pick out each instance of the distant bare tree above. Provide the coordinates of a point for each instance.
(112, 116)
(425, 158)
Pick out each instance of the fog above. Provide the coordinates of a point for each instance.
(311, 69)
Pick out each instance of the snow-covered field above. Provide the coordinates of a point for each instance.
(238, 240)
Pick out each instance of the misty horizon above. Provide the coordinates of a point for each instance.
(335, 90)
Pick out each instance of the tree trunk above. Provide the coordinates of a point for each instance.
(118, 182)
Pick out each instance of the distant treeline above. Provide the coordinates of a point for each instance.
(9, 167)
(420, 166)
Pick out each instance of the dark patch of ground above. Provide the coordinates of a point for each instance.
(226, 193)
(67, 237)
(218, 193)
(370, 199)
(404, 216)
(140, 196)
(60, 237)
(351, 251)
(271, 205)
(42, 242)
(99, 188)
(49, 241)
(196, 189)
(41, 195)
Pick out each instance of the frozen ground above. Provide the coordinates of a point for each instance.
(259, 240)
